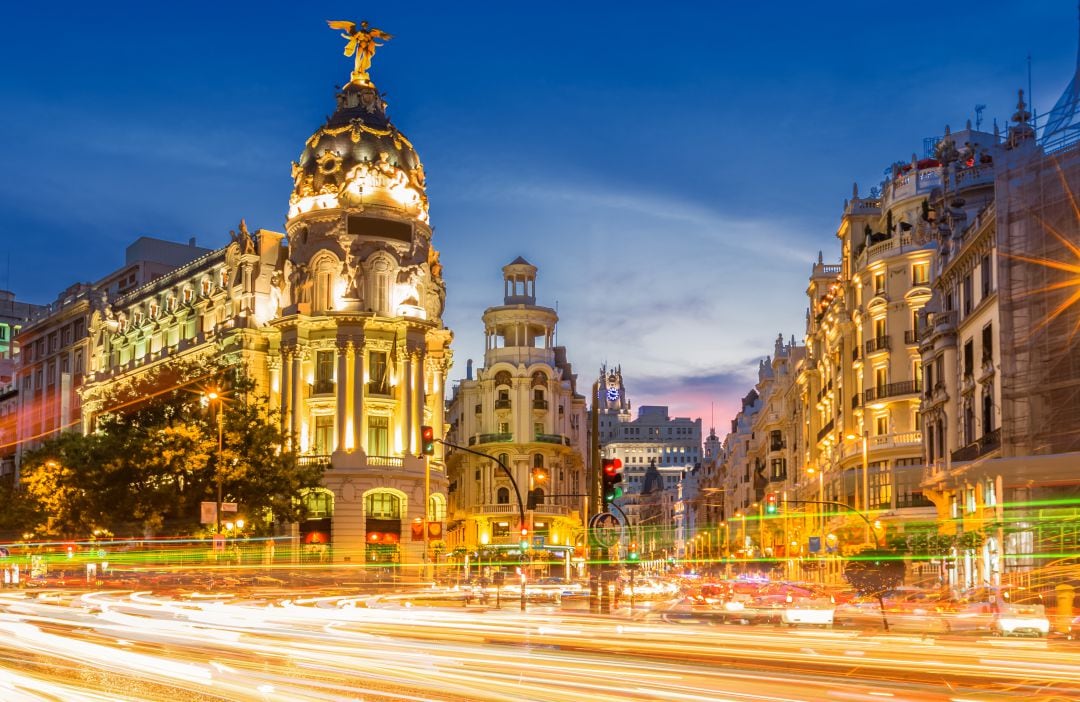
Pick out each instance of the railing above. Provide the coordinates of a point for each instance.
(911, 336)
(313, 460)
(553, 439)
(824, 391)
(777, 445)
(852, 447)
(540, 404)
(512, 509)
(880, 343)
(386, 461)
(502, 404)
(985, 444)
(490, 439)
(322, 387)
(374, 388)
(907, 387)
(825, 430)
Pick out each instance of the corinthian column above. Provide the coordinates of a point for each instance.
(342, 388)
(297, 395)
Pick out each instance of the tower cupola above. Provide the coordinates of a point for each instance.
(519, 282)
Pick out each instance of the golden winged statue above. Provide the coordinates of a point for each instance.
(361, 44)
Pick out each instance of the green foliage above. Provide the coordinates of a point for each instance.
(875, 571)
(155, 457)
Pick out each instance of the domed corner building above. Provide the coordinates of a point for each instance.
(339, 320)
(527, 429)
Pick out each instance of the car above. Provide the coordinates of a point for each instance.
(1020, 619)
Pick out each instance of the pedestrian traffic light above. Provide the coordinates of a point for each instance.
(770, 503)
(427, 440)
(610, 479)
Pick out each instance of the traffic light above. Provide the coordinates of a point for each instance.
(610, 479)
(427, 441)
(524, 539)
(632, 554)
(770, 503)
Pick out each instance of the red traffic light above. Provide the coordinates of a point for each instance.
(611, 466)
(427, 440)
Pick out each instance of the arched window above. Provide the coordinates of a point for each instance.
(436, 508)
(325, 276)
(318, 504)
(502, 496)
(382, 505)
(538, 460)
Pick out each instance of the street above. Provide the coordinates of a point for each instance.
(61, 645)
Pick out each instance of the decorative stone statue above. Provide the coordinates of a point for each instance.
(361, 44)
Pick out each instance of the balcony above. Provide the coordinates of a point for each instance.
(375, 388)
(907, 387)
(511, 508)
(911, 337)
(903, 439)
(540, 404)
(824, 391)
(502, 404)
(777, 445)
(825, 430)
(313, 460)
(986, 444)
(553, 439)
(386, 461)
(880, 343)
(490, 439)
(322, 387)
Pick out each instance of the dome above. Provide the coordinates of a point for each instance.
(357, 159)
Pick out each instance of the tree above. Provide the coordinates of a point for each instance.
(874, 572)
(154, 457)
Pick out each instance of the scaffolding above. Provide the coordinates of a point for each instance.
(1039, 292)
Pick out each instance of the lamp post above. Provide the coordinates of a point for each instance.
(215, 396)
(865, 478)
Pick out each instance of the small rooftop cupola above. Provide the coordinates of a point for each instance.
(519, 282)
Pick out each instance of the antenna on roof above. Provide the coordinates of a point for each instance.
(1031, 97)
(978, 116)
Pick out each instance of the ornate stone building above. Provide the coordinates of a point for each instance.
(338, 320)
(524, 410)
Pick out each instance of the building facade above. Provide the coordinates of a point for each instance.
(338, 322)
(523, 415)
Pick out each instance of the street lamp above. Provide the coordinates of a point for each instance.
(209, 397)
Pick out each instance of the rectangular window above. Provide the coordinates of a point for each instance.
(988, 342)
(969, 500)
(378, 373)
(969, 357)
(324, 434)
(504, 427)
(881, 378)
(538, 428)
(908, 484)
(500, 529)
(324, 371)
(990, 492)
(378, 436)
(920, 273)
(879, 283)
(967, 291)
(879, 328)
(986, 274)
(881, 425)
(880, 483)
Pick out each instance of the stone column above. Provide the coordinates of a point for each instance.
(359, 388)
(286, 394)
(341, 387)
(297, 396)
(407, 403)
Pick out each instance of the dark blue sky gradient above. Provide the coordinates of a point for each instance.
(672, 168)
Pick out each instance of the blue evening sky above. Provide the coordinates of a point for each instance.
(672, 168)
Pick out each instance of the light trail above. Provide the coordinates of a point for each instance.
(351, 647)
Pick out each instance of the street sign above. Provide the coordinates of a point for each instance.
(228, 506)
(605, 529)
(815, 544)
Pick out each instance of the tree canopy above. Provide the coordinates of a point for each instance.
(154, 457)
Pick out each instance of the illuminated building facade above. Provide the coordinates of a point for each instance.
(338, 322)
(13, 315)
(524, 410)
(1001, 413)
